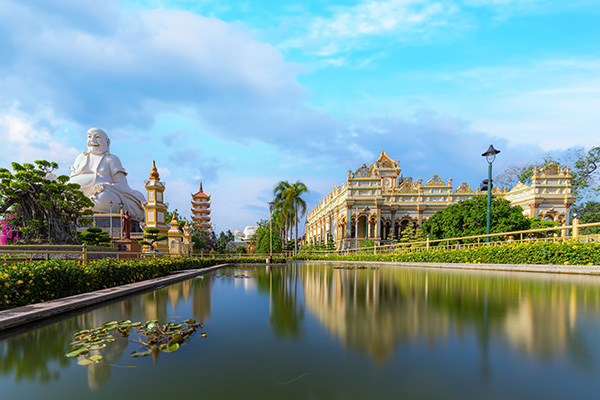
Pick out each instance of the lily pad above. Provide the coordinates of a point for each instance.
(141, 353)
(84, 361)
(98, 346)
(95, 357)
(77, 352)
(169, 348)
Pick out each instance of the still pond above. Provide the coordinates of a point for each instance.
(326, 331)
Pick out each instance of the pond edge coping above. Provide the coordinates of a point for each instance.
(543, 268)
(34, 312)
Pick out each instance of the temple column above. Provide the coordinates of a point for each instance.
(348, 222)
(378, 231)
(393, 226)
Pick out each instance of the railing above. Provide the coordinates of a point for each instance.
(83, 253)
(568, 232)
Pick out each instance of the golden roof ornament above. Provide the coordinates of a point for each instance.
(154, 171)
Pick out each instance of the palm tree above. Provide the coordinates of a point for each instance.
(288, 199)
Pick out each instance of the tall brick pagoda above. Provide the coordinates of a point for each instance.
(201, 210)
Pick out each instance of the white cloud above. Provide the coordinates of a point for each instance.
(401, 19)
(23, 143)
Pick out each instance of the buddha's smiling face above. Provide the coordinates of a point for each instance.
(97, 141)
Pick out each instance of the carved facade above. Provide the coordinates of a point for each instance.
(379, 202)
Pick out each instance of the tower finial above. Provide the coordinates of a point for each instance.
(154, 171)
(201, 187)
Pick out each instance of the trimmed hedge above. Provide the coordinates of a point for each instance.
(575, 253)
(38, 281)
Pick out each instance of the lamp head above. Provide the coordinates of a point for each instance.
(490, 154)
(271, 204)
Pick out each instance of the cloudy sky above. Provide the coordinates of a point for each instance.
(242, 95)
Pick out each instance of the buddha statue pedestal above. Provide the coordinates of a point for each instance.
(127, 248)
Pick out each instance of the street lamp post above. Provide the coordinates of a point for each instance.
(490, 156)
(271, 204)
(121, 213)
(110, 204)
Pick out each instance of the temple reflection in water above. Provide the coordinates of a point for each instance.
(541, 318)
(374, 311)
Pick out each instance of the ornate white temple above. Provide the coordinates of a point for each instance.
(381, 202)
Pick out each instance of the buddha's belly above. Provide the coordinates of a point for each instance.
(86, 180)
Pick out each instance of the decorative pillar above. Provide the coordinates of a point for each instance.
(187, 239)
(378, 231)
(348, 222)
(393, 226)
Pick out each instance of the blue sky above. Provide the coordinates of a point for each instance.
(242, 95)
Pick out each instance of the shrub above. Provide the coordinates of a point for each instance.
(38, 281)
(574, 253)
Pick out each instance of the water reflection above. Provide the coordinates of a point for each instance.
(285, 312)
(39, 355)
(379, 313)
(374, 311)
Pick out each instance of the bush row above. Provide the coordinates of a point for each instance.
(517, 253)
(38, 281)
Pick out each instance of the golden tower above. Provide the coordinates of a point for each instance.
(155, 207)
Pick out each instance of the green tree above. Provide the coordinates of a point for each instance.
(584, 171)
(468, 217)
(282, 212)
(50, 207)
(262, 239)
(94, 236)
(203, 241)
(151, 236)
(289, 197)
(330, 242)
(538, 223)
(589, 212)
(180, 219)
(221, 244)
(407, 234)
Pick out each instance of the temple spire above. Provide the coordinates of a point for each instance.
(154, 171)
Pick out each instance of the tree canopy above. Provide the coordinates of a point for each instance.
(468, 217)
(289, 202)
(262, 238)
(151, 237)
(48, 208)
(585, 175)
(589, 212)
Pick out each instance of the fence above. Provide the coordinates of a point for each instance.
(568, 232)
(84, 253)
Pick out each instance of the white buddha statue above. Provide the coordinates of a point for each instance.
(103, 179)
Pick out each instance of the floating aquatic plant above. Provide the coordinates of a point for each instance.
(151, 336)
(234, 276)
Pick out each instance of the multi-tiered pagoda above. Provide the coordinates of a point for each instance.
(201, 210)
